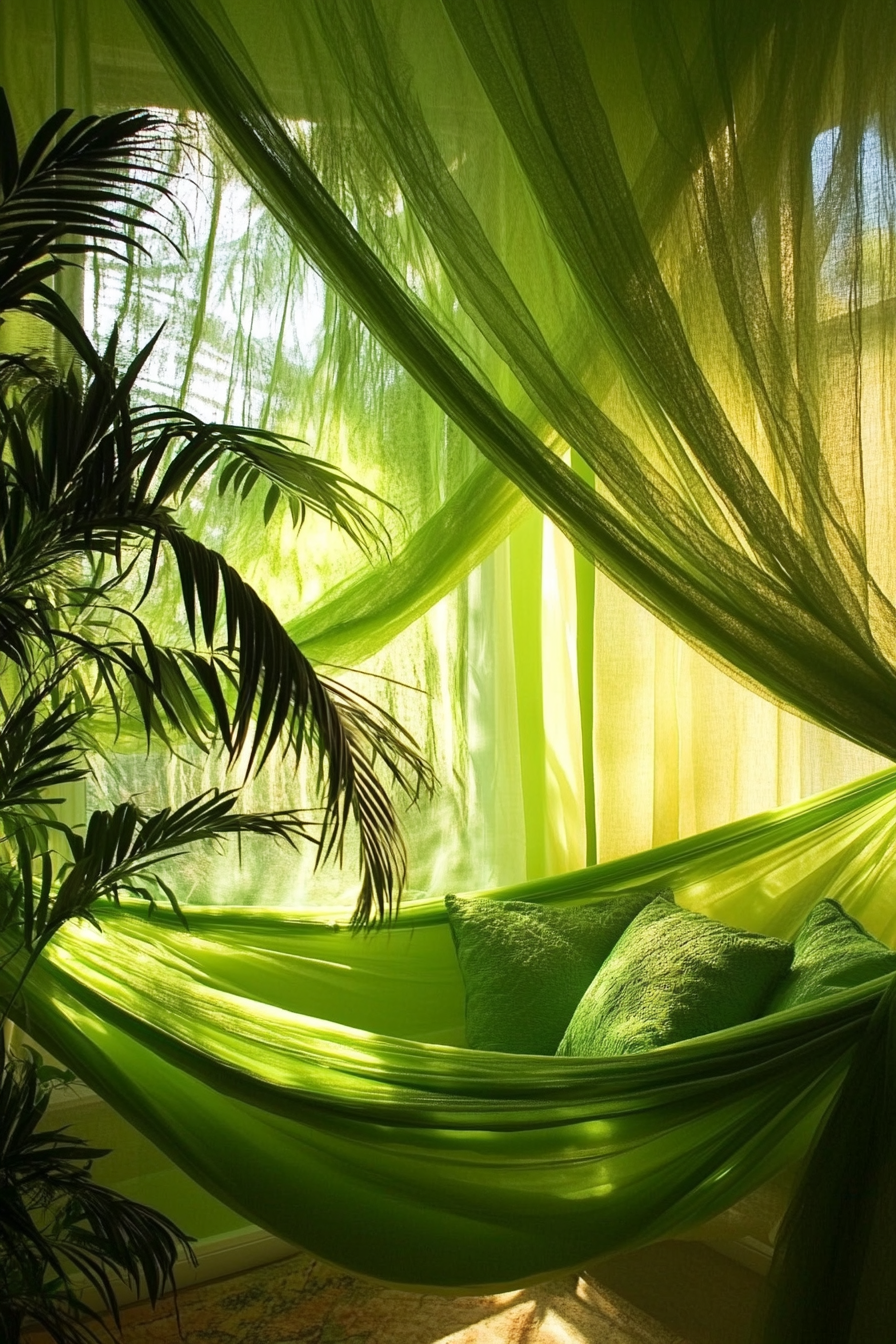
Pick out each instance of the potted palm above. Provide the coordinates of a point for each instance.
(92, 485)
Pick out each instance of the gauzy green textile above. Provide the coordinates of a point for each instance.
(674, 974)
(525, 966)
(718, 299)
(833, 952)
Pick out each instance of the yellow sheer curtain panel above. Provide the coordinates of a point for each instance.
(678, 747)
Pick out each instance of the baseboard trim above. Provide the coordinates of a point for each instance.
(232, 1253)
(250, 1247)
(747, 1251)
(217, 1258)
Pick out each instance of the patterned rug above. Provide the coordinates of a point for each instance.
(304, 1301)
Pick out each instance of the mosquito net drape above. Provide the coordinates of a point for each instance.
(577, 736)
(718, 255)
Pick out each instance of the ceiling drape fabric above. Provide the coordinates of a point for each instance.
(566, 724)
(714, 345)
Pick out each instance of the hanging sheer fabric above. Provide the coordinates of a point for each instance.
(807, 208)
(506, 667)
(718, 275)
(520, 685)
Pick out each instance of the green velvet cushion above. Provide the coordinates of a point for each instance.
(833, 952)
(526, 966)
(672, 975)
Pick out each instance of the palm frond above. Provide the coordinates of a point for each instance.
(42, 750)
(103, 1230)
(378, 740)
(258, 458)
(280, 698)
(41, 746)
(115, 856)
(118, 850)
(55, 1222)
(70, 192)
(195, 693)
(26, 370)
(67, 473)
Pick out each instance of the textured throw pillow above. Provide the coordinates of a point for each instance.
(526, 966)
(833, 952)
(672, 975)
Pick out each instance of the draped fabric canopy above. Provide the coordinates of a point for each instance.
(719, 229)
(395, 111)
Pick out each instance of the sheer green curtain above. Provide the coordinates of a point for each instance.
(252, 334)
(720, 259)
(544, 691)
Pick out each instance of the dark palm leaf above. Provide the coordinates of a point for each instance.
(11, 908)
(119, 849)
(41, 748)
(80, 470)
(103, 1230)
(198, 694)
(55, 1222)
(116, 856)
(280, 698)
(83, 475)
(257, 458)
(70, 192)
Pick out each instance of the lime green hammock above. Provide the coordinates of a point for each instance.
(316, 1081)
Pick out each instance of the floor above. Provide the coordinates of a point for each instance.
(671, 1293)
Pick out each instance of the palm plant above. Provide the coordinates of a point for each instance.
(86, 480)
(91, 485)
(56, 1221)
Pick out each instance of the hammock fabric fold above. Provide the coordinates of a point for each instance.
(315, 1079)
